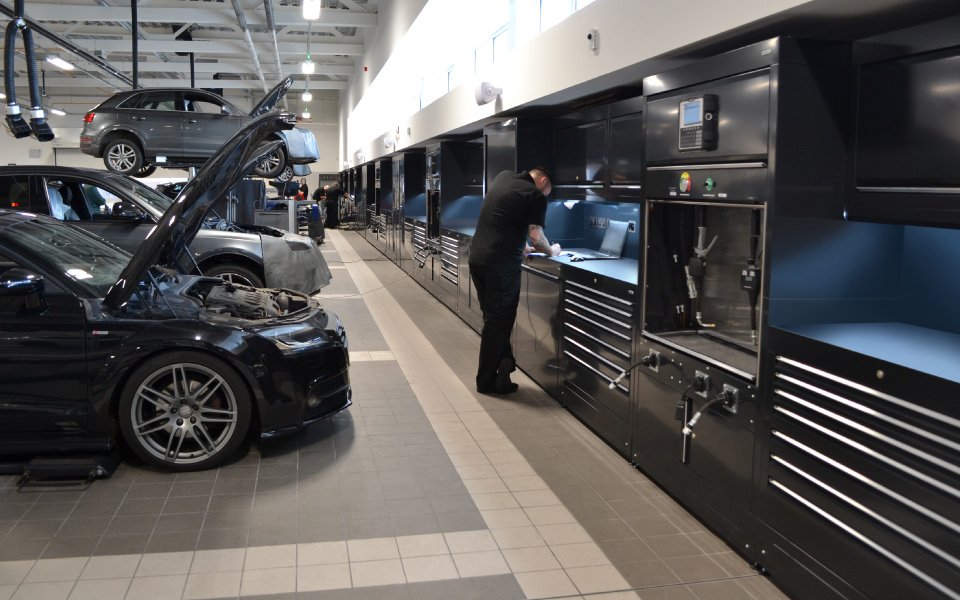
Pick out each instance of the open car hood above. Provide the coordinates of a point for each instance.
(273, 96)
(167, 242)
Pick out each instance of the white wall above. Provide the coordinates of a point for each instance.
(550, 66)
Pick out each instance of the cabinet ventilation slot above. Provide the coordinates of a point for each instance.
(596, 324)
(583, 333)
(624, 326)
(622, 313)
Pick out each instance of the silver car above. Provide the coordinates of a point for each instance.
(136, 131)
(122, 210)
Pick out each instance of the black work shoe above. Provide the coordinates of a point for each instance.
(506, 367)
(509, 388)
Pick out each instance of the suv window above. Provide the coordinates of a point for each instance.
(152, 101)
(203, 103)
(15, 195)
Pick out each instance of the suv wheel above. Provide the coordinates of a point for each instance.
(285, 175)
(123, 155)
(145, 171)
(272, 165)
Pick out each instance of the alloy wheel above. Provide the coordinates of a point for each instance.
(122, 157)
(184, 413)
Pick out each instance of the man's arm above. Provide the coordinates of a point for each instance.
(539, 241)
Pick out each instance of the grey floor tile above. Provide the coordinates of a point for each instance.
(180, 522)
(461, 521)
(608, 529)
(26, 549)
(672, 546)
(132, 524)
(692, 569)
(368, 528)
(76, 526)
(415, 524)
(50, 510)
(217, 539)
(63, 547)
(122, 544)
(178, 541)
(727, 589)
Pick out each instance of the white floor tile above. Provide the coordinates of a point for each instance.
(429, 568)
(545, 584)
(372, 549)
(153, 588)
(220, 584)
(56, 590)
(323, 577)
(604, 578)
(377, 572)
(100, 589)
(478, 564)
(585, 554)
(470, 541)
(14, 571)
(531, 559)
(256, 582)
(270, 557)
(56, 569)
(111, 567)
(322, 553)
(517, 537)
(164, 563)
(218, 561)
(422, 545)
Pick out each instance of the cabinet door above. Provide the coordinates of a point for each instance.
(626, 149)
(578, 154)
(538, 328)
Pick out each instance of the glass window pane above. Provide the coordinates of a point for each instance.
(552, 12)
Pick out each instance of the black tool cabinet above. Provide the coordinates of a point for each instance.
(597, 324)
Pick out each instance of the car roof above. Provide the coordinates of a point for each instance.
(49, 169)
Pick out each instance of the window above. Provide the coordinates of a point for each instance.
(152, 101)
(553, 11)
(202, 103)
(15, 195)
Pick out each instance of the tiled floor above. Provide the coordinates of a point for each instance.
(422, 489)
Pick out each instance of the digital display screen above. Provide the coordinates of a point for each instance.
(691, 112)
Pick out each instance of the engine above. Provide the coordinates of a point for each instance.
(247, 302)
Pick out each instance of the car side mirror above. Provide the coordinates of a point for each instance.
(126, 211)
(20, 282)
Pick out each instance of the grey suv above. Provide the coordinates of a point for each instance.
(137, 131)
(122, 210)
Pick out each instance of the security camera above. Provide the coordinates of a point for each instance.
(387, 143)
(486, 92)
(593, 39)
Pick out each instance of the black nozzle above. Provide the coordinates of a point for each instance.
(17, 126)
(41, 129)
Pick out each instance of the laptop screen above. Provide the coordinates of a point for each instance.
(614, 238)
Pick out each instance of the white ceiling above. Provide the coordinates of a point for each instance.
(234, 47)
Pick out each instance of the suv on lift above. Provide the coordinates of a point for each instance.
(136, 131)
(123, 211)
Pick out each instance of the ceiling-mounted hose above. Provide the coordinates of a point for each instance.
(38, 123)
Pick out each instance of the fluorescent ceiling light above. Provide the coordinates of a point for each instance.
(311, 10)
(307, 67)
(307, 96)
(57, 111)
(59, 62)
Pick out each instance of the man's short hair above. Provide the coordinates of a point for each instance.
(544, 170)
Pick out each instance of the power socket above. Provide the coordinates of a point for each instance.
(702, 381)
(732, 403)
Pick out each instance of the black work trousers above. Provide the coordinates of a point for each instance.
(498, 289)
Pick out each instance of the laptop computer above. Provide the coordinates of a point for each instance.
(610, 248)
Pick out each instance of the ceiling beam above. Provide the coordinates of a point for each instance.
(229, 66)
(57, 83)
(216, 47)
(201, 15)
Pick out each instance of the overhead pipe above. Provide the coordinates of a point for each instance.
(242, 21)
(15, 123)
(271, 23)
(134, 24)
(68, 45)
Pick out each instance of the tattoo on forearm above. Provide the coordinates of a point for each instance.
(538, 240)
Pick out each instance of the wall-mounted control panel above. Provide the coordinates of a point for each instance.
(698, 123)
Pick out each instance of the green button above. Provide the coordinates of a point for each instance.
(708, 183)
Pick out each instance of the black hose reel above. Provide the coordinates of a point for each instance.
(14, 119)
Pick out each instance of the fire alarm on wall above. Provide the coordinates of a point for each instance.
(364, 69)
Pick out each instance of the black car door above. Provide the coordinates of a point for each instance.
(99, 210)
(43, 366)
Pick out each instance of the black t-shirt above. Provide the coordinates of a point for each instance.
(511, 205)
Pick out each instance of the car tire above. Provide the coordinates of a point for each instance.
(285, 175)
(123, 155)
(273, 165)
(235, 274)
(184, 411)
(145, 171)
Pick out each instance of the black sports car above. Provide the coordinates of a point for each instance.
(94, 340)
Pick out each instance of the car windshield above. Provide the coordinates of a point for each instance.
(83, 257)
(157, 202)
